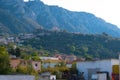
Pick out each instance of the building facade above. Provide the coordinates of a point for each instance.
(15, 62)
(90, 68)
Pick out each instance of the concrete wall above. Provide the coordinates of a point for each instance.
(101, 65)
(16, 77)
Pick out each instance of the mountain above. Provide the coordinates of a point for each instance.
(56, 17)
(17, 16)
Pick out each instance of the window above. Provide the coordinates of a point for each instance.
(36, 64)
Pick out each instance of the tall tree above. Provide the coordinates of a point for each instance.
(17, 52)
(4, 61)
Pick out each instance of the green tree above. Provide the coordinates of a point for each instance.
(25, 56)
(25, 69)
(36, 58)
(22, 69)
(74, 68)
(17, 52)
(11, 51)
(85, 49)
(35, 53)
(72, 48)
(88, 57)
(4, 61)
(62, 64)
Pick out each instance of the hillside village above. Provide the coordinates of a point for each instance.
(60, 66)
(56, 65)
(15, 39)
(102, 69)
(81, 45)
(43, 42)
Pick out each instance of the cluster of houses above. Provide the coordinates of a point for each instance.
(19, 38)
(15, 39)
(15, 62)
(7, 40)
(91, 70)
(46, 61)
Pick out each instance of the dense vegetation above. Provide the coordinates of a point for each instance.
(97, 46)
(4, 61)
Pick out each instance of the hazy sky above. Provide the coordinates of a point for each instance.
(105, 9)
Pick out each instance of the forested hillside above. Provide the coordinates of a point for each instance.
(97, 46)
(16, 18)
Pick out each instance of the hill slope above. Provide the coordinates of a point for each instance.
(16, 17)
(97, 46)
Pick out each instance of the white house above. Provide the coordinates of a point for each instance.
(91, 68)
(50, 61)
(49, 58)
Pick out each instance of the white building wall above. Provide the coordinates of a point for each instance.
(69, 65)
(103, 65)
(49, 58)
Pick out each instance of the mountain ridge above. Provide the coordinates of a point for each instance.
(71, 21)
(27, 16)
